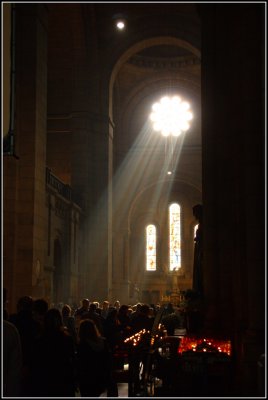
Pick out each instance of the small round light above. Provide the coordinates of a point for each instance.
(120, 25)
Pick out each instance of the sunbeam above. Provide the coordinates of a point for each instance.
(146, 165)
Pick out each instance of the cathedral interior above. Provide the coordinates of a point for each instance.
(85, 173)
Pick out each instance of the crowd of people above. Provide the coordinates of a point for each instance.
(61, 351)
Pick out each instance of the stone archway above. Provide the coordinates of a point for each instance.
(124, 107)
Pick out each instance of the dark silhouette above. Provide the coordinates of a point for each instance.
(12, 361)
(112, 329)
(175, 320)
(81, 312)
(124, 320)
(28, 329)
(136, 311)
(95, 316)
(94, 369)
(69, 322)
(143, 320)
(198, 251)
(52, 363)
(40, 308)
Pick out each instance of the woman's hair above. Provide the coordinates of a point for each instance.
(88, 331)
(53, 321)
(66, 310)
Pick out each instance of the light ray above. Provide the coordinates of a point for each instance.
(144, 167)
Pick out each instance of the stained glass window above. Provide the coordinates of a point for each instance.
(150, 248)
(174, 237)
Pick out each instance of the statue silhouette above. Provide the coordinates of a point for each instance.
(198, 250)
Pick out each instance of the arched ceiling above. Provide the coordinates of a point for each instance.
(162, 58)
(158, 53)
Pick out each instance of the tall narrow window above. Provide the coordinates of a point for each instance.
(150, 248)
(174, 237)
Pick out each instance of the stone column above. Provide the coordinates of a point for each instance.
(233, 180)
(30, 146)
(91, 181)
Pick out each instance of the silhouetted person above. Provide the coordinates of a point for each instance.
(12, 361)
(96, 317)
(69, 321)
(112, 329)
(81, 312)
(124, 320)
(40, 308)
(93, 360)
(52, 364)
(28, 329)
(105, 309)
(172, 321)
(198, 251)
(143, 320)
(136, 311)
(117, 304)
(168, 309)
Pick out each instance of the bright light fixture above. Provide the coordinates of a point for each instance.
(120, 25)
(171, 116)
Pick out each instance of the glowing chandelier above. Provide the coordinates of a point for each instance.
(171, 116)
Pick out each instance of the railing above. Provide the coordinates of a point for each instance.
(63, 189)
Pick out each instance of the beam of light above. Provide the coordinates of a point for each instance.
(171, 116)
(143, 170)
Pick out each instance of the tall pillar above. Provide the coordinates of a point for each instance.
(91, 181)
(233, 180)
(121, 283)
(29, 223)
(92, 143)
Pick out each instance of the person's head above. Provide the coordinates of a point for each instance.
(85, 303)
(40, 308)
(117, 304)
(105, 305)
(92, 307)
(53, 321)
(145, 309)
(25, 304)
(88, 331)
(66, 310)
(123, 310)
(169, 308)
